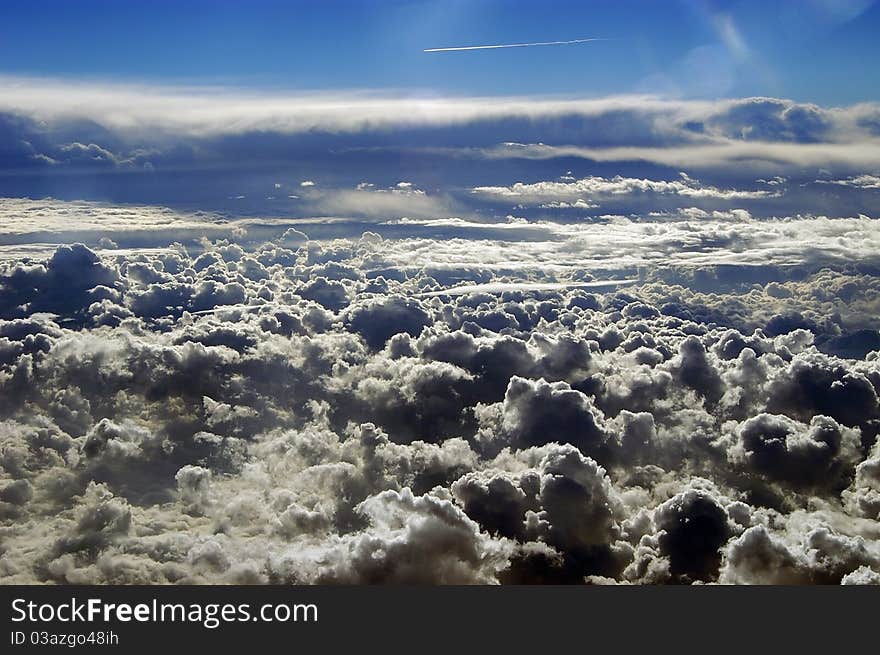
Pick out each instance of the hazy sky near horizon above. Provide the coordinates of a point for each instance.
(821, 51)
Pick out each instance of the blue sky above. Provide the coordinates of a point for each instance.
(822, 51)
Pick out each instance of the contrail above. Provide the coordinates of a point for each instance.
(510, 45)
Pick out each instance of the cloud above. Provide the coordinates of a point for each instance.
(378, 320)
(820, 454)
(593, 188)
(858, 182)
(762, 157)
(399, 201)
(129, 110)
(534, 412)
(225, 149)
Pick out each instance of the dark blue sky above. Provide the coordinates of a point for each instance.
(822, 51)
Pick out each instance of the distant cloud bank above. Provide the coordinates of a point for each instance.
(306, 154)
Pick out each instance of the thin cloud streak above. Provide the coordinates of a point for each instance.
(510, 45)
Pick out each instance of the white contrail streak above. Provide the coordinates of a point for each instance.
(509, 45)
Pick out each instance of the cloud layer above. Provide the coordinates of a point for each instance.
(250, 153)
(682, 396)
